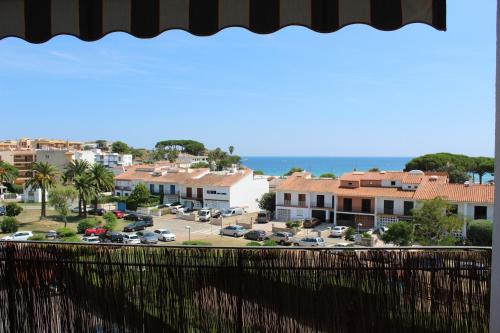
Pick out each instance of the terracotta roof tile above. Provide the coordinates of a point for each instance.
(457, 192)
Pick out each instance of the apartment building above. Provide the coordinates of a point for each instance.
(21, 144)
(187, 160)
(377, 198)
(22, 160)
(61, 158)
(196, 187)
(112, 160)
(56, 144)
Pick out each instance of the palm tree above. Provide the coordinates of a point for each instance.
(74, 169)
(43, 178)
(231, 150)
(84, 185)
(102, 181)
(8, 173)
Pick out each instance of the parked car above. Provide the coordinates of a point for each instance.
(338, 231)
(263, 217)
(131, 217)
(233, 212)
(148, 219)
(75, 210)
(282, 237)
(51, 234)
(136, 226)
(311, 223)
(99, 211)
(119, 214)
(216, 213)
(310, 241)
(2, 210)
(233, 230)
(176, 203)
(19, 236)
(90, 239)
(95, 231)
(147, 237)
(131, 239)
(111, 237)
(258, 235)
(175, 208)
(165, 235)
(204, 215)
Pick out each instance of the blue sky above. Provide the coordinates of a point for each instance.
(357, 92)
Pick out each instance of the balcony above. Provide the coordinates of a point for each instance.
(288, 203)
(123, 188)
(395, 290)
(185, 197)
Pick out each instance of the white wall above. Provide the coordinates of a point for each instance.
(328, 199)
(280, 198)
(399, 205)
(247, 192)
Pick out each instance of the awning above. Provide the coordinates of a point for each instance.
(37, 21)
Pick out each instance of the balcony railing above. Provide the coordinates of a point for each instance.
(116, 289)
(288, 203)
(123, 188)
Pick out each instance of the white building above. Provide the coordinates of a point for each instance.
(187, 160)
(112, 160)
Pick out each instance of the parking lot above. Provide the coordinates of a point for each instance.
(204, 231)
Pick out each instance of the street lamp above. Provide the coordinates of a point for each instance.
(189, 232)
(359, 226)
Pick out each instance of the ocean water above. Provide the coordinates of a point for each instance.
(277, 166)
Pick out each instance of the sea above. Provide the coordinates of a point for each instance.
(279, 165)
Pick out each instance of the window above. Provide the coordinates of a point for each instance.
(408, 206)
(480, 213)
(211, 192)
(347, 205)
(320, 201)
(302, 199)
(333, 201)
(300, 212)
(393, 183)
(366, 206)
(189, 192)
(161, 189)
(172, 189)
(152, 188)
(389, 207)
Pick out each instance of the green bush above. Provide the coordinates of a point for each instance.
(37, 237)
(253, 244)
(71, 239)
(269, 242)
(197, 243)
(13, 209)
(350, 232)
(14, 188)
(365, 235)
(85, 224)
(479, 233)
(110, 219)
(294, 224)
(9, 224)
(65, 232)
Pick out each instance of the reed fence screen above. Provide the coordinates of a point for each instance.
(48, 287)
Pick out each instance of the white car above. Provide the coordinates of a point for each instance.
(176, 208)
(233, 212)
(131, 239)
(19, 236)
(90, 239)
(338, 231)
(310, 241)
(233, 230)
(204, 215)
(165, 235)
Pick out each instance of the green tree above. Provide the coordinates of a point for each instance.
(120, 147)
(258, 172)
(433, 223)
(43, 179)
(172, 155)
(140, 195)
(328, 175)
(199, 165)
(13, 209)
(74, 169)
(84, 185)
(110, 219)
(455, 165)
(8, 173)
(399, 233)
(102, 180)
(61, 197)
(102, 144)
(482, 166)
(9, 224)
(480, 232)
(374, 170)
(268, 201)
(231, 150)
(293, 170)
(187, 146)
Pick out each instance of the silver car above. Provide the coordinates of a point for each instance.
(233, 230)
(310, 241)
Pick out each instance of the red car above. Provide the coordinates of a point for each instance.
(119, 214)
(95, 231)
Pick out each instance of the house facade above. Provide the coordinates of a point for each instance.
(374, 199)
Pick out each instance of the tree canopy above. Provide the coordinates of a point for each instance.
(399, 233)
(187, 146)
(8, 173)
(480, 232)
(268, 201)
(328, 175)
(60, 198)
(293, 170)
(120, 147)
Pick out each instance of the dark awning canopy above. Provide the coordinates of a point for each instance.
(39, 20)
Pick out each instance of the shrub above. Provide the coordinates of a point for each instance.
(328, 175)
(269, 242)
(294, 224)
(71, 239)
(349, 233)
(13, 209)
(14, 188)
(365, 235)
(85, 224)
(258, 173)
(197, 243)
(9, 224)
(253, 244)
(110, 219)
(479, 233)
(37, 237)
(65, 232)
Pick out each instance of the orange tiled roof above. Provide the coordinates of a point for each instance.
(456, 192)
(218, 180)
(302, 182)
(388, 192)
(144, 173)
